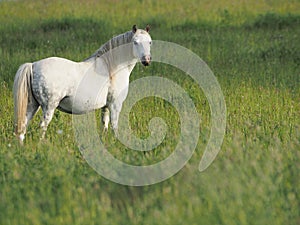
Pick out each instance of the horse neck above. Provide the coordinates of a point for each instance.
(117, 52)
(120, 57)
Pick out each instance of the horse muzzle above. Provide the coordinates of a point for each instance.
(146, 60)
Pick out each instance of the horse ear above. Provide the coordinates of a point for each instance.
(134, 28)
(147, 28)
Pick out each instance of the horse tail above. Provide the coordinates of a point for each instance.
(21, 90)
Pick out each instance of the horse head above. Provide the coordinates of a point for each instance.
(141, 44)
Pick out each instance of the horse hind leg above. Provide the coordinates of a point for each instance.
(47, 117)
(32, 108)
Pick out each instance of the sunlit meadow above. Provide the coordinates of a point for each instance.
(253, 48)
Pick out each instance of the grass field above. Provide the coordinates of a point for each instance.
(253, 48)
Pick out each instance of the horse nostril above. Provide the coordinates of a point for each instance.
(146, 60)
(145, 63)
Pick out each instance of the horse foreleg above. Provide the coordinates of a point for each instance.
(116, 96)
(105, 118)
(115, 109)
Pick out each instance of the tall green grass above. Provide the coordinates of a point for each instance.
(253, 49)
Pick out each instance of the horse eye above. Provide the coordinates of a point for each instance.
(135, 42)
(150, 42)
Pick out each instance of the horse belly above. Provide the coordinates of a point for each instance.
(85, 100)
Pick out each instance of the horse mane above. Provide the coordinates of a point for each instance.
(116, 41)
